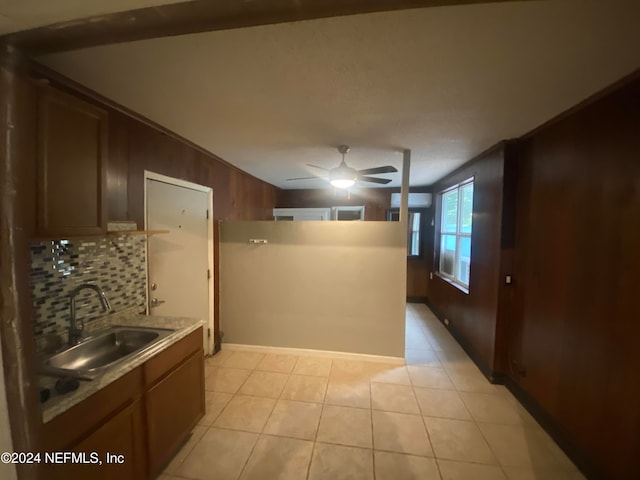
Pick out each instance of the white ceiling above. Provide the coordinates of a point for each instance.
(445, 82)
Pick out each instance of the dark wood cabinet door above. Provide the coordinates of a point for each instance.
(114, 450)
(72, 154)
(174, 406)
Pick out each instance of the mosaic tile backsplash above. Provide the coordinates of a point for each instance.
(117, 265)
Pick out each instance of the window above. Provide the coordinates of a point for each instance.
(415, 228)
(347, 213)
(455, 233)
(413, 239)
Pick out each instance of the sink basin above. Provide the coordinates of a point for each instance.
(98, 353)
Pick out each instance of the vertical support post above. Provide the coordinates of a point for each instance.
(17, 224)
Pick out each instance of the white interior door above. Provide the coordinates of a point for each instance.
(179, 269)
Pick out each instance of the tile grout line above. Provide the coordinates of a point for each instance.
(373, 445)
(473, 419)
(246, 462)
(315, 440)
(422, 416)
(323, 403)
(422, 419)
(433, 450)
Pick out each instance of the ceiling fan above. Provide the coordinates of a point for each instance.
(343, 176)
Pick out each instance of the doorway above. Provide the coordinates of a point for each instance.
(180, 263)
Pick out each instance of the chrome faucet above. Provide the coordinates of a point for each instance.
(75, 331)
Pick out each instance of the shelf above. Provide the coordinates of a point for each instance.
(116, 233)
(137, 232)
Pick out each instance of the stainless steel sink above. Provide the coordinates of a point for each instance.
(98, 353)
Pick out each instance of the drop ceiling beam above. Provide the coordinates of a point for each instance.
(198, 16)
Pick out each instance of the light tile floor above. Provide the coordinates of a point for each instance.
(315, 418)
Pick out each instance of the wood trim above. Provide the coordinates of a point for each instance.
(488, 372)
(624, 81)
(17, 225)
(217, 334)
(506, 292)
(417, 300)
(199, 16)
(115, 233)
(437, 186)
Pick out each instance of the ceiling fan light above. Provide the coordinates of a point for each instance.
(342, 182)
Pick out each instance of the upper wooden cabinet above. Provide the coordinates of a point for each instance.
(72, 154)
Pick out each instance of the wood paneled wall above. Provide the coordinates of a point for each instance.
(138, 147)
(575, 327)
(559, 210)
(376, 201)
(472, 315)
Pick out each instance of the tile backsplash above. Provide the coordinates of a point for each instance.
(115, 264)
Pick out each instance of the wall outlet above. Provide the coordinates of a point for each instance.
(446, 321)
(430, 275)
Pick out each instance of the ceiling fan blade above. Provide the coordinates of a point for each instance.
(374, 171)
(302, 178)
(316, 166)
(383, 181)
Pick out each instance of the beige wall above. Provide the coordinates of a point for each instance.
(336, 286)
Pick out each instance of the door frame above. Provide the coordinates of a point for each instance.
(148, 175)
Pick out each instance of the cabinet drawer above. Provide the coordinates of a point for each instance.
(167, 360)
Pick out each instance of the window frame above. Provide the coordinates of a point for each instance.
(454, 279)
(393, 215)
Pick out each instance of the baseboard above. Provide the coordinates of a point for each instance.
(546, 422)
(577, 456)
(416, 299)
(492, 376)
(434, 309)
(318, 353)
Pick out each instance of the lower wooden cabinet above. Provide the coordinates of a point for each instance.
(117, 447)
(174, 405)
(133, 426)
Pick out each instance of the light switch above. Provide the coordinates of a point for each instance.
(507, 279)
